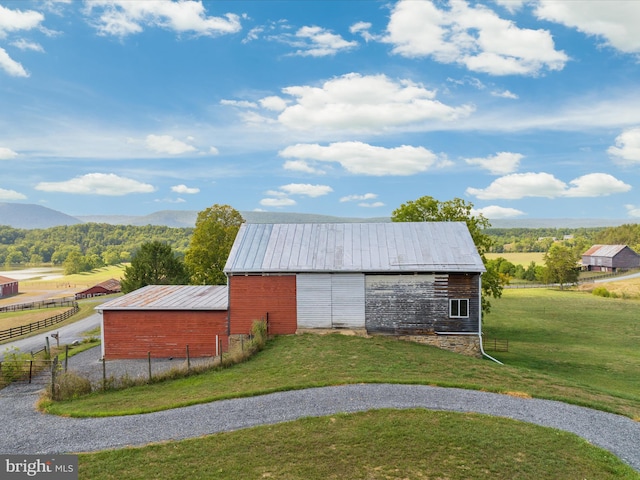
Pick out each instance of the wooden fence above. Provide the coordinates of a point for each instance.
(51, 303)
(35, 326)
(495, 344)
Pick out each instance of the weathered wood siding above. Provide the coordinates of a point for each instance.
(255, 297)
(419, 304)
(131, 334)
(626, 259)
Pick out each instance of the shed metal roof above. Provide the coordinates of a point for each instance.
(604, 250)
(354, 247)
(5, 280)
(171, 297)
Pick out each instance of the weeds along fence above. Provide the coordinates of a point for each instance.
(34, 371)
(35, 326)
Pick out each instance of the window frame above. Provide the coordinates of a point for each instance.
(458, 302)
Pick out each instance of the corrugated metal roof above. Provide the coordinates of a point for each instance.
(171, 297)
(4, 280)
(604, 250)
(111, 284)
(354, 247)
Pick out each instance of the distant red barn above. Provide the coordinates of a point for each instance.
(8, 287)
(107, 287)
(610, 258)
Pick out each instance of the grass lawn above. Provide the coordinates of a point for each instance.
(25, 317)
(382, 444)
(569, 346)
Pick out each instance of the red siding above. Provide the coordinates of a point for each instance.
(8, 288)
(131, 334)
(253, 297)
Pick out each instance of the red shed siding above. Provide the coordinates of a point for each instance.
(131, 334)
(252, 297)
(8, 287)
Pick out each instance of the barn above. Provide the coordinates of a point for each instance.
(107, 287)
(8, 287)
(610, 258)
(417, 280)
(163, 320)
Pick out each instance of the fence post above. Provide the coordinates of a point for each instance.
(149, 360)
(54, 368)
(104, 375)
(66, 358)
(188, 360)
(30, 369)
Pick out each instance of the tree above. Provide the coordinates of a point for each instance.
(561, 265)
(213, 237)
(154, 264)
(428, 209)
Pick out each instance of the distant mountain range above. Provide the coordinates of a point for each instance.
(30, 216)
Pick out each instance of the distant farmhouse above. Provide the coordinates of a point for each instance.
(610, 258)
(8, 287)
(412, 280)
(107, 287)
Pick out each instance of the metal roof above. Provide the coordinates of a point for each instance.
(604, 250)
(354, 247)
(5, 280)
(171, 297)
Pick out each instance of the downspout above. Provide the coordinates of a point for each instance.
(480, 321)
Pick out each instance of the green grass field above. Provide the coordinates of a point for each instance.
(519, 258)
(569, 346)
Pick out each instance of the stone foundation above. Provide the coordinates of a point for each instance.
(468, 345)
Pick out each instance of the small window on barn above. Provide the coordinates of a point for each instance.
(459, 308)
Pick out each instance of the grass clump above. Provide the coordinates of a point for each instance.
(601, 292)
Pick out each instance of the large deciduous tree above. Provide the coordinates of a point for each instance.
(211, 242)
(561, 265)
(428, 209)
(154, 264)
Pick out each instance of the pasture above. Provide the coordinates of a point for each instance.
(519, 258)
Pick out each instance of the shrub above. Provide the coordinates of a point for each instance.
(601, 292)
(71, 385)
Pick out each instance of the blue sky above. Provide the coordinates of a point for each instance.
(525, 108)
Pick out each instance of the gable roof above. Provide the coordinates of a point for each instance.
(171, 297)
(354, 247)
(605, 250)
(5, 280)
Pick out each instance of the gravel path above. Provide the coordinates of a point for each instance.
(25, 431)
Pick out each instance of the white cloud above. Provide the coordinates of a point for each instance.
(185, 189)
(97, 184)
(354, 102)
(352, 198)
(239, 103)
(213, 151)
(364, 159)
(22, 44)
(498, 164)
(520, 185)
(16, 20)
(320, 42)
(616, 22)
(7, 153)
(596, 185)
(124, 17)
(633, 210)
(371, 205)
(504, 94)
(362, 28)
(627, 145)
(306, 189)
(301, 166)
(168, 144)
(10, 66)
(473, 36)
(277, 202)
(170, 200)
(11, 195)
(496, 212)
(277, 104)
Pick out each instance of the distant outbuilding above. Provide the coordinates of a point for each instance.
(8, 287)
(107, 287)
(610, 258)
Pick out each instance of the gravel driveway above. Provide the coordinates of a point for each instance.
(25, 431)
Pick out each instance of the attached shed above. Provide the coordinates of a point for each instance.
(610, 258)
(163, 320)
(8, 287)
(408, 279)
(107, 287)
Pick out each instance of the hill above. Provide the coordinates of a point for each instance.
(30, 216)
